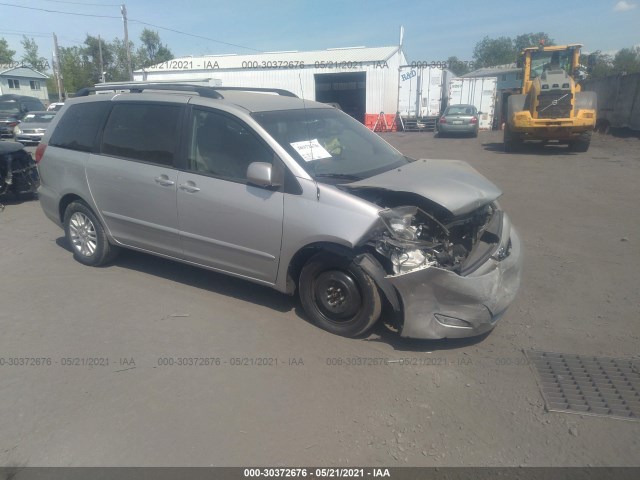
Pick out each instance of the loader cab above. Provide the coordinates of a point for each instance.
(537, 60)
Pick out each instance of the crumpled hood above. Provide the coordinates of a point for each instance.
(453, 184)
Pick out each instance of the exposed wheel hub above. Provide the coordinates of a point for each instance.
(337, 295)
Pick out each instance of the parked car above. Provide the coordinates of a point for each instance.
(458, 119)
(287, 193)
(13, 108)
(18, 171)
(32, 127)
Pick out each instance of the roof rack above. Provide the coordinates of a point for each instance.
(209, 92)
(279, 91)
(139, 87)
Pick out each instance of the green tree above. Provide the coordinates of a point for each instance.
(597, 64)
(627, 60)
(118, 71)
(91, 57)
(490, 52)
(152, 51)
(76, 73)
(6, 55)
(530, 40)
(457, 66)
(31, 56)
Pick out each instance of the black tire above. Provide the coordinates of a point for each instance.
(581, 144)
(86, 236)
(511, 142)
(338, 295)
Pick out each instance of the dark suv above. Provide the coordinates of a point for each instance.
(13, 108)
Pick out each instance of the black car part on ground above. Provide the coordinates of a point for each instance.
(18, 171)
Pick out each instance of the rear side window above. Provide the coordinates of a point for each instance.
(33, 106)
(77, 129)
(147, 132)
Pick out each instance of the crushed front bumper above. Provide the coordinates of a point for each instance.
(438, 303)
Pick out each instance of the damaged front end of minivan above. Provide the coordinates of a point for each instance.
(451, 275)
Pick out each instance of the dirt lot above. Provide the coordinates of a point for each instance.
(463, 403)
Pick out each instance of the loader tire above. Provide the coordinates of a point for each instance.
(515, 103)
(581, 144)
(512, 142)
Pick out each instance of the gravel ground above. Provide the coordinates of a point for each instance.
(454, 403)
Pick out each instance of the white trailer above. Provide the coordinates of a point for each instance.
(422, 95)
(363, 81)
(477, 91)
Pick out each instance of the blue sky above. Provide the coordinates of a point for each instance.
(434, 30)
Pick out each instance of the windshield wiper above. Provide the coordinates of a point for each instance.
(343, 176)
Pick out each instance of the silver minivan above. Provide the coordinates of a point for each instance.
(283, 192)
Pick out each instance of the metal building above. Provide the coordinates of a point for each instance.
(363, 81)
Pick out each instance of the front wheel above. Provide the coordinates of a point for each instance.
(338, 295)
(511, 141)
(86, 236)
(581, 144)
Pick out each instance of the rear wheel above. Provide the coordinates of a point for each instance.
(86, 236)
(338, 295)
(581, 144)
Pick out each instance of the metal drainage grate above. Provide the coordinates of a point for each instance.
(588, 385)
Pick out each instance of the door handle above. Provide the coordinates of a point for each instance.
(189, 187)
(164, 181)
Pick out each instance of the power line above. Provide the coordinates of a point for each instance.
(20, 34)
(133, 20)
(38, 34)
(192, 35)
(83, 3)
(58, 11)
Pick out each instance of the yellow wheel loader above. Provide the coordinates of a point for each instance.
(552, 106)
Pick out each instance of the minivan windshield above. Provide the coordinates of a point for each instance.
(329, 144)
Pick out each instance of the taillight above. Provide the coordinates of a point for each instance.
(40, 151)
(443, 119)
(473, 120)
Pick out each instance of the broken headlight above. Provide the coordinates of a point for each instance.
(399, 222)
(403, 244)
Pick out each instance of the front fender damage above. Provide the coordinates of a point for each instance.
(447, 279)
(439, 303)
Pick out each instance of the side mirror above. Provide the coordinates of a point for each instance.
(261, 174)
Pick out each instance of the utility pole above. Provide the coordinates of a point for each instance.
(57, 68)
(102, 72)
(123, 10)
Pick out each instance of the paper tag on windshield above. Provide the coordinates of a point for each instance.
(310, 150)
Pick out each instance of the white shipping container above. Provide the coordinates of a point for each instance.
(421, 91)
(477, 91)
